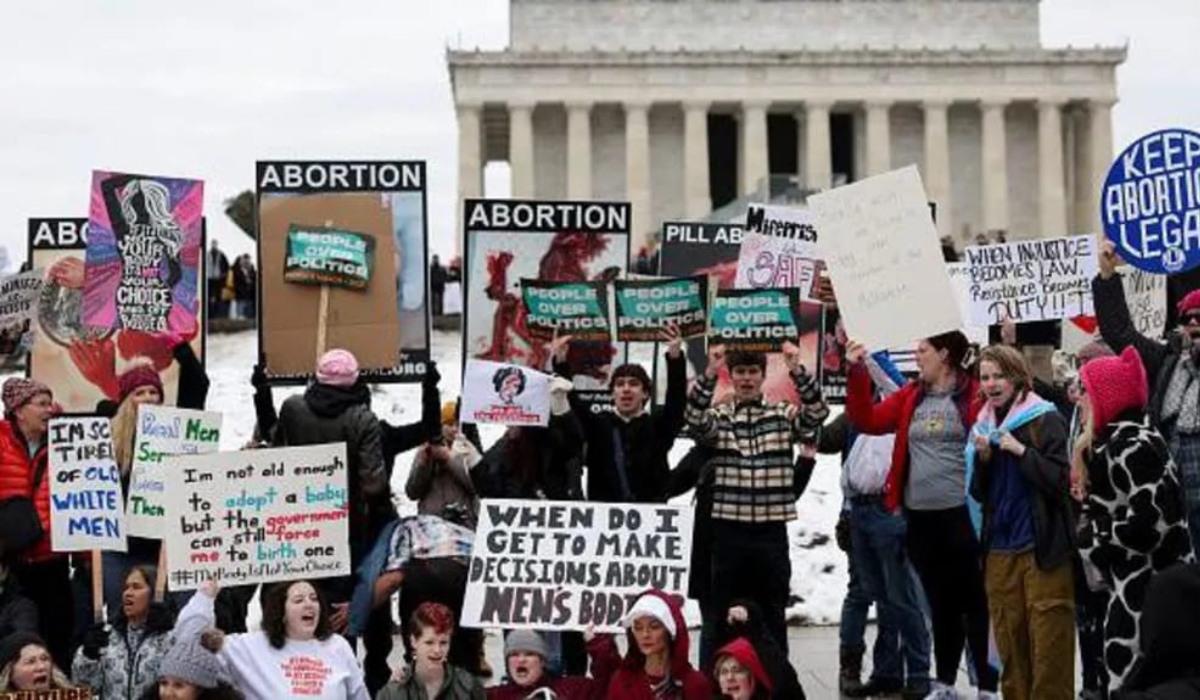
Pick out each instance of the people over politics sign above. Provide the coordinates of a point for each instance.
(759, 320)
(328, 256)
(578, 309)
(646, 307)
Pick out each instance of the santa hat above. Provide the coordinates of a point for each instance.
(1114, 385)
(652, 606)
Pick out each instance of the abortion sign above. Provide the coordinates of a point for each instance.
(1150, 204)
(328, 256)
(759, 320)
(86, 508)
(646, 307)
(577, 309)
(561, 565)
(1031, 280)
(163, 431)
(494, 392)
(257, 516)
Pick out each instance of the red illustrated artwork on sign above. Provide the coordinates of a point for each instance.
(307, 674)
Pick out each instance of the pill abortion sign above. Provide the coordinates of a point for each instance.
(1150, 204)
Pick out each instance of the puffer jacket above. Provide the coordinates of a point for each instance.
(129, 664)
(630, 682)
(16, 479)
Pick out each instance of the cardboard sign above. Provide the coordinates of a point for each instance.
(577, 309)
(960, 280)
(328, 256)
(885, 259)
(1031, 280)
(1150, 204)
(759, 320)
(163, 431)
(19, 295)
(83, 693)
(385, 322)
(143, 254)
(560, 565)
(494, 392)
(646, 307)
(86, 508)
(257, 516)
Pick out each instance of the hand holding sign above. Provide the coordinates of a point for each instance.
(716, 360)
(1108, 259)
(791, 354)
(856, 352)
(674, 341)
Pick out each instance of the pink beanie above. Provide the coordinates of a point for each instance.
(1189, 302)
(1114, 385)
(138, 375)
(337, 368)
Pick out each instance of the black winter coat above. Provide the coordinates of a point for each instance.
(17, 613)
(784, 680)
(1170, 667)
(539, 463)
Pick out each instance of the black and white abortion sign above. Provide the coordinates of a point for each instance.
(1030, 280)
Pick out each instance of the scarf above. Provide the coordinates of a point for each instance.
(1182, 400)
(1023, 412)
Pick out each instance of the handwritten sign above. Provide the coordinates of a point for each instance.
(494, 392)
(759, 320)
(645, 307)
(885, 259)
(1031, 280)
(1146, 298)
(561, 565)
(328, 256)
(86, 508)
(257, 516)
(19, 295)
(163, 431)
(577, 309)
(779, 249)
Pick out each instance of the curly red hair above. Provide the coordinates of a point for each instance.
(433, 616)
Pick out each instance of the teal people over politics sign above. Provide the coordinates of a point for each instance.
(759, 320)
(577, 309)
(646, 307)
(329, 256)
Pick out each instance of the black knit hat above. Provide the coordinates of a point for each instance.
(11, 646)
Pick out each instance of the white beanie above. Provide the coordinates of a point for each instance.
(652, 606)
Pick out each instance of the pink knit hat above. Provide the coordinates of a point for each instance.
(138, 375)
(337, 368)
(1189, 302)
(19, 391)
(1114, 385)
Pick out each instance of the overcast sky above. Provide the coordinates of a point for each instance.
(203, 89)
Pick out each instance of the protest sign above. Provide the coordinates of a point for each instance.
(759, 320)
(960, 282)
(384, 322)
(83, 693)
(768, 262)
(577, 309)
(143, 253)
(560, 565)
(494, 392)
(328, 256)
(834, 367)
(163, 431)
(1031, 280)
(257, 516)
(1146, 298)
(885, 259)
(86, 508)
(81, 364)
(19, 295)
(1150, 204)
(452, 299)
(646, 307)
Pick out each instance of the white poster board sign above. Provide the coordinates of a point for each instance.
(770, 262)
(452, 299)
(19, 295)
(960, 279)
(1146, 297)
(257, 516)
(86, 508)
(884, 258)
(565, 565)
(163, 431)
(1034, 280)
(503, 394)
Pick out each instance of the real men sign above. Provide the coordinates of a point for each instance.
(163, 431)
(329, 256)
(1031, 280)
(759, 320)
(577, 309)
(560, 565)
(1150, 205)
(646, 307)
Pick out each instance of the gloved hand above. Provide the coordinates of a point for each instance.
(432, 375)
(841, 532)
(95, 640)
(559, 388)
(258, 378)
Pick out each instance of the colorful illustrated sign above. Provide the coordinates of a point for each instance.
(1150, 204)
(577, 309)
(759, 320)
(163, 431)
(1031, 280)
(583, 564)
(646, 307)
(19, 296)
(257, 516)
(143, 253)
(86, 508)
(503, 394)
(770, 262)
(328, 256)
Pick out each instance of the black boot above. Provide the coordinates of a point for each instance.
(878, 687)
(850, 673)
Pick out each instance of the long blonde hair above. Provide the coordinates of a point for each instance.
(1082, 449)
(58, 679)
(124, 431)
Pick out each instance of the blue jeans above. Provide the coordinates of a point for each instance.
(855, 608)
(882, 562)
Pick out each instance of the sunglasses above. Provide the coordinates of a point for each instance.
(1189, 318)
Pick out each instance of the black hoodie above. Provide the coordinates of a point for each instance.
(1170, 666)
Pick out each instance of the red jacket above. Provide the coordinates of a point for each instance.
(894, 414)
(16, 479)
(630, 681)
(603, 652)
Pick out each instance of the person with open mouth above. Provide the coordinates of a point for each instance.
(525, 656)
(25, 664)
(740, 674)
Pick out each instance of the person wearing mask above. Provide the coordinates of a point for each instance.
(441, 472)
(1134, 523)
(17, 613)
(754, 479)
(525, 659)
(739, 674)
(1020, 473)
(1172, 367)
(432, 676)
(656, 665)
(1170, 665)
(930, 418)
(295, 654)
(190, 672)
(44, 575)
(26, 664)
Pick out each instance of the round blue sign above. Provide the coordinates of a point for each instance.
(1150, 204)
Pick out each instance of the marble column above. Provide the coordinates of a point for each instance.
(936, 174)
(637, 172)
(879, 137)
(696, 193)
(470, 160)
(1100, 154)
(755, 163)
(520, 149)
(1051, 180)
(579, 150)
(995, 166)
(819, 152)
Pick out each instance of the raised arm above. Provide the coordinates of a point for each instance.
(193, 380)
(420, 475)
(865, 415)
(1112, 314)
(698, 413)
(812, 411)
(669, 419)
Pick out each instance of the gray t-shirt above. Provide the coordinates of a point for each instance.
(937, 469)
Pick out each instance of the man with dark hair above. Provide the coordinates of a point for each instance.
(627, 447)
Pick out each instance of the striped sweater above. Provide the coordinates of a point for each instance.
(753, 466)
